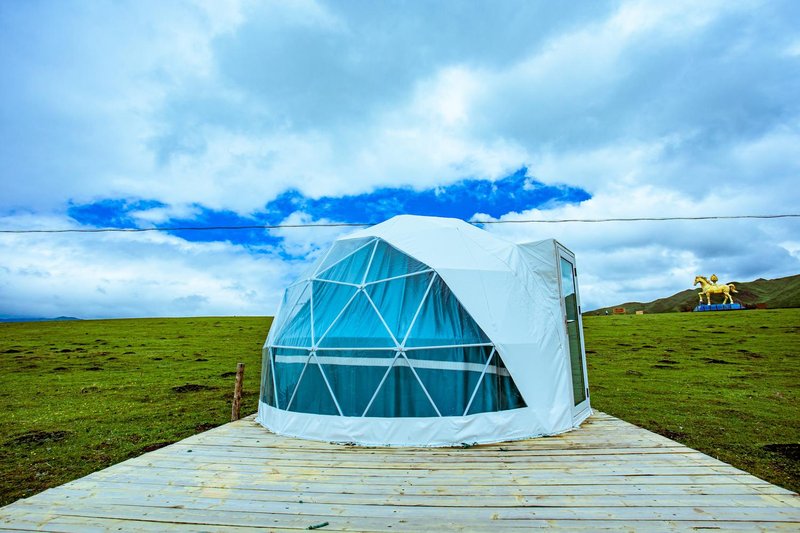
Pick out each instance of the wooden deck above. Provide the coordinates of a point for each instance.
(608, 474)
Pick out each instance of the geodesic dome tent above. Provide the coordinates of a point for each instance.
(427, 331)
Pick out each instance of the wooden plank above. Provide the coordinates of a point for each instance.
(268, 489)
(577, 486)
(429, 477)
(267, 512)
(135, 482)
(91, 524)
(609, 467)
(195, 497)
(532, 471)
(202, 458)
(458, 456)
(655, 474)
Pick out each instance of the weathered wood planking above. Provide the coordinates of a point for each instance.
(606, 475)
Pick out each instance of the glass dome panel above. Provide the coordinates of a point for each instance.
(389, 262)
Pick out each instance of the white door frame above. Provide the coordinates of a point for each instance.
(580, 411)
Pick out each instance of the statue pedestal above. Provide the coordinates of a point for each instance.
(718, 307)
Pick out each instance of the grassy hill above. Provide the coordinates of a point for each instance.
(774, 293)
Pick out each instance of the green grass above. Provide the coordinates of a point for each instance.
(725, 383)
(78, 396)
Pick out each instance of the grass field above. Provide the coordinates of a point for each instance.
(724, 383)
(78, 396)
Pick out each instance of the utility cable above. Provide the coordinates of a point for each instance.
(366, 224)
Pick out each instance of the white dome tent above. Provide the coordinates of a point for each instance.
(428, 331)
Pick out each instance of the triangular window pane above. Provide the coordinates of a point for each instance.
(288, 366)
(442, 321)
(287, 307)
(497, 391)
(450, 374)
(295, 330)
(339, 250)
(329, 300)
(449, 389)
(358, 327)
(401, 395)
(398, 300)
(390, 262)
(354, 384)
(350, 269)
(267, 386)
(312, 394)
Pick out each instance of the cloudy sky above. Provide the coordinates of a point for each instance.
(142, 114)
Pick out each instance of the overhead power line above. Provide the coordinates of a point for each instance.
(636, 219)
(188, 228)
(366, 224)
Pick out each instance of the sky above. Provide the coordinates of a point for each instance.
(188, 113)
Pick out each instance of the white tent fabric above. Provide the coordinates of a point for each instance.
(427, 331)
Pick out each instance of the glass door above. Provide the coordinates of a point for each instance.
(573, 322)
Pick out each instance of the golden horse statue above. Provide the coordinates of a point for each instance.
(710, 287)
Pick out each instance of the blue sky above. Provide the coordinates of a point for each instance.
(462, 199)
(135, 114)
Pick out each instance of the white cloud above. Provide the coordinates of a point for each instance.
(130, 275)
(307, 243)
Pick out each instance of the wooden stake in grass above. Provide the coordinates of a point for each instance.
(237, 392)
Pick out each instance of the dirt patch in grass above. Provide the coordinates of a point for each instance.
(155, 446)
(790, 451)
(674, 435)
(192, 387)
(39, 437)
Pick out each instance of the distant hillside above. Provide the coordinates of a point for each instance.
(37, 319)
(774, 293)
